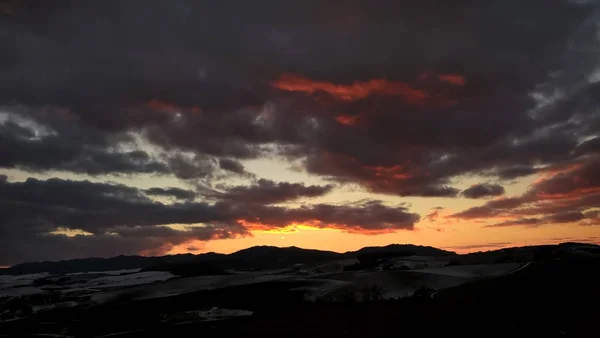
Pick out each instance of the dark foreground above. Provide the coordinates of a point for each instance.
(550, 298)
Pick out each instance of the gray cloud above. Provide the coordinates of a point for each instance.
(269, 192)
(567, 194)
(366, 217)
(171, 192)
(37, 144)
(232, 165)
(70, 149)
(483, 190)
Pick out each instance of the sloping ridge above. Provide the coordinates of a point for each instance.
(253, 258)
(271, 257)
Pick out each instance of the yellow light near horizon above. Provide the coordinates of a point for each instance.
(258, 228)
(70, 232)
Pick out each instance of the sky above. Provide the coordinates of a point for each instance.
(161, 127)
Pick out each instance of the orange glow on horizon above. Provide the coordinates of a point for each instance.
(465, 236)
(295, 227)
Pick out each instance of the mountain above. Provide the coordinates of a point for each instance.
(254, 258)
(401, 250)
(529, 253)
(270, 257)
(265, 257)
(103, 264)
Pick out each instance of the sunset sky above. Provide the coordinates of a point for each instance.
(156, 127)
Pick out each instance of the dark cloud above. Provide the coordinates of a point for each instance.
(171, 192)
(31, 245)
(499, 89)
(511, 172)
(123, 219)
(269, 192)
(566, 217)
(36, 143)
(483, 190)
(371, 217)
(70, 149)
(591, 146)
(566, 194)
(411, 115)
(232, 165)
(94, 207)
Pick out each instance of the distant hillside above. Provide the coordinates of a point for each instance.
(254, 258)
(401, 250)
(529, 253)
(269, 257)
(102, 264)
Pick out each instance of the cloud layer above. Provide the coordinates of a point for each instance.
(77, 218)
(400, 99)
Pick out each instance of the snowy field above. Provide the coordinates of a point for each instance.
(402, 283)
(23, 285)
(178, 286)
(325, 281)
(7, 281)
(109, 285)
(473, 271)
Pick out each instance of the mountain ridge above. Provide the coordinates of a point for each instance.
(236, 259)
(271, 257)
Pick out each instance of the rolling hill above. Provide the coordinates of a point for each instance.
(254, 258)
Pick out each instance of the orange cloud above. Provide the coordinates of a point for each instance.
(572, 195)
(347, 119)
(548, 173)
(454, 79)
(396, 172)
(356, 91)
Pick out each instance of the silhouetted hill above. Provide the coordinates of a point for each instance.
(269, 257)
(254, 258)
(529, 253)
(104, 264)
(399, 250)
